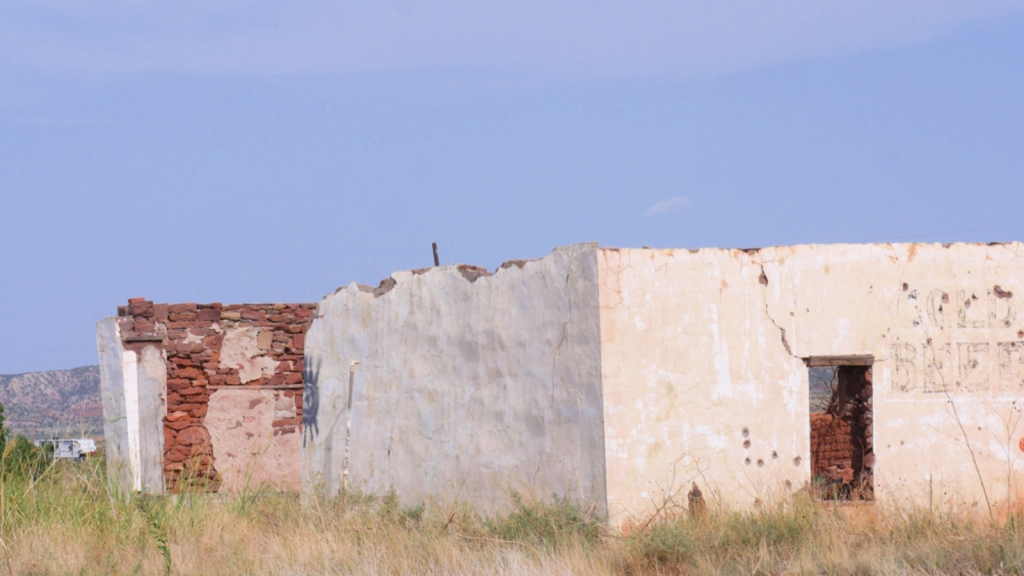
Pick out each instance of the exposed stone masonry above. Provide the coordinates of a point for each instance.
(831, 447)
(210, 347)
(841, 437)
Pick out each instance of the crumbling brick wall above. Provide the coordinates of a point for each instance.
(831, 444)
(210, 347)
(841, 437)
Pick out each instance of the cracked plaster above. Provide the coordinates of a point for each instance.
(750, 317)
(618, 375)
(469, 384)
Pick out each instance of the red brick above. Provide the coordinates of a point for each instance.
(232, 380)
(217, 380)
(194, 435)
(277, 380)
(284, 366)
(208, 315)
(176, 325)
(176, 416)
(179, 425)
(293, 378)
(303, 313)
(143, 308)
(299, 341)
(190, 372)
(192, 391)
(199, 411)
(181, 450)
(144, 325)
(213, 342)
(178, 383)
(160, 312)
(257, 315)
(187, 307)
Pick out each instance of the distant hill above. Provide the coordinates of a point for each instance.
(40, 404)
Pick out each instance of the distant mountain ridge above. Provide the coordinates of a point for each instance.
(40, 404)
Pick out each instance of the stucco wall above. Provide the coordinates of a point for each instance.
(469, 384)
(115, 411)
(162, 364)
(702, 351)
(132, 385)
(250, 452)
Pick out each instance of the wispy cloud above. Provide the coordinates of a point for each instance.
(668, 205)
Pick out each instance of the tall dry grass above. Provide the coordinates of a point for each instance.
(65, 520)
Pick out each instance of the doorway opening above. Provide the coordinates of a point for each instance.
(842, 455)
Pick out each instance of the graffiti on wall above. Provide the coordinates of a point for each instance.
(310, 402)
(967, 342)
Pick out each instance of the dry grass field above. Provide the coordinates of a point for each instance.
(67, 521)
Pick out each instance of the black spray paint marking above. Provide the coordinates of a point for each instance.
(310, 402)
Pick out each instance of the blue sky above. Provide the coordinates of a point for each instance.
(251, 151)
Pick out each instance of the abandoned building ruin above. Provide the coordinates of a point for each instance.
(203, 394)
(616, 377)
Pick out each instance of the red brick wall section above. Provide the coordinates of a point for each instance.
(831, 445)
(191, 335)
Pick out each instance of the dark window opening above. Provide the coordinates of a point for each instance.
(842, 458)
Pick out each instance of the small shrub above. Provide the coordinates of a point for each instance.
(666, 543)
(23, 459)
(553, 525)
(390, 511)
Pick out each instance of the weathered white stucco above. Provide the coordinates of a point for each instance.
(115, 420)
(702, 350)
(133, 390)
(466, 389)
(624, 376)
(248, 453)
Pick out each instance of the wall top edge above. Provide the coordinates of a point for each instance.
(468, 271)
(840, 245)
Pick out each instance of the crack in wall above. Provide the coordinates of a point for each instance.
(763, 280)
(565, 331)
